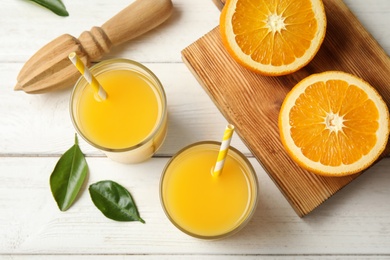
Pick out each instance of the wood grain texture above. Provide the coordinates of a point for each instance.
(354, 222)
(36, 129)
(47, 116)
(251, 102)
(219, 3)
(49, 68)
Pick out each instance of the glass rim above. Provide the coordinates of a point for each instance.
(158, 86)
(251, 210)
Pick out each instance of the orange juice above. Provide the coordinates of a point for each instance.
(131, 123)
(203, 205)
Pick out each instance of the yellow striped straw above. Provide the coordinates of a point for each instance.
(87, 75)
(223, 150)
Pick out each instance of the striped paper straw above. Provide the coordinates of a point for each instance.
(227, 137)
(87, 75)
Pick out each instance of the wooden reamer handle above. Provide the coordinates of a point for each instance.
(136, 19)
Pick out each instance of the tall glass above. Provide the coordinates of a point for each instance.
(206, 206)
(131, 124)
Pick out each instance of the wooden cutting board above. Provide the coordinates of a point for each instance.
(251, 102)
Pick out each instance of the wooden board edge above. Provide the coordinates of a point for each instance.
(300, 212)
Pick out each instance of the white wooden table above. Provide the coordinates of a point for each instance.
(36, 129)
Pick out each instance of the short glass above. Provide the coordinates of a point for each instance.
(131, 124)
(206, 206)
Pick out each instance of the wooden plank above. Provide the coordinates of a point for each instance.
(46, 118)
(20, 37)
(354, 222)
(252, 102)
(193, 257)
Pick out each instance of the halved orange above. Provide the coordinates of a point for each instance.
(334, 124)
(275, 37)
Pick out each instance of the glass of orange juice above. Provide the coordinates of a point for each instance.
(131, 124)
(206, 206)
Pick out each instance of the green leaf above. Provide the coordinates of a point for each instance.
(68, 176)
(56, 6)
(114, 201)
